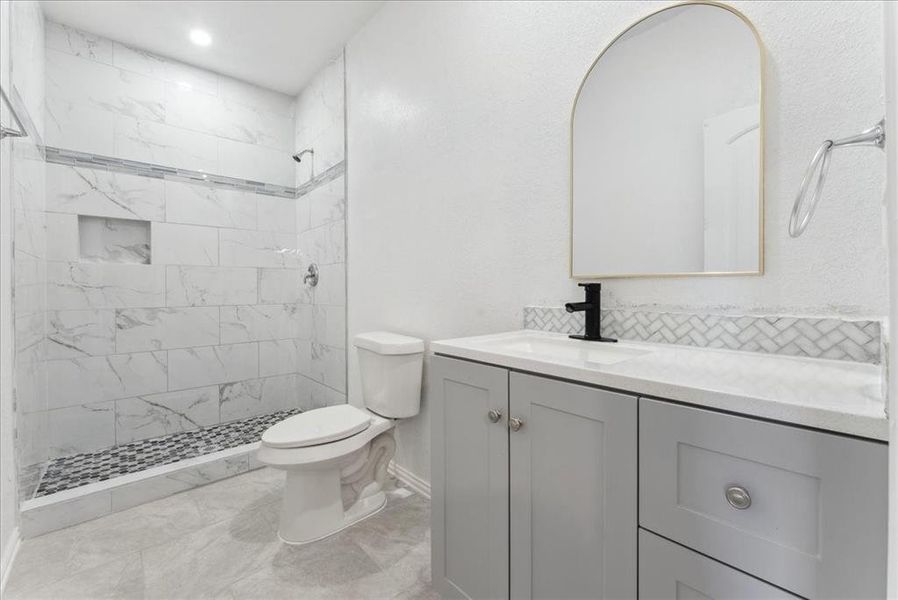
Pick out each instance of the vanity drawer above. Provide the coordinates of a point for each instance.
(801, 509)
(668, 570)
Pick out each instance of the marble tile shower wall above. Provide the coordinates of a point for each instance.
(108, 99)
(216, 327)
(28, 177)
(320, 223)
(212, 330)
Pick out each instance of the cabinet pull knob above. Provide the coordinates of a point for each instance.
(738, 497)
(515, 423)
(494, 415)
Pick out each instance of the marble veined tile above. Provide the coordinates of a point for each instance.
(197, 110)
(78, 43)
(184, 245)
(329, 366)
(250, 124)
(76, 333)
(87, 380)
(153, 415)
(236, 90)
(240, 248)
(81, 428)
(140, 492)
(191, 77)
(327, 203)
(329, 325)
(62, 237)
(256, 163)
(79, 191)
(140, 329)
(276, 214)
(138, 61)
(278, 357)
(200, 205)
(78, 127)
(103, 285)
(331, 287)
(204, 286)
(196, 367)
(158, 143)
(281, 286)
(248, 323)
(250, 398)
(80, 82)
(325, 244)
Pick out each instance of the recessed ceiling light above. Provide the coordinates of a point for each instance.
(200, 37)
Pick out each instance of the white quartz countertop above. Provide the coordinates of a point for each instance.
(840, 396)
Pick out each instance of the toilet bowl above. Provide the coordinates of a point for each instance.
(335, 458)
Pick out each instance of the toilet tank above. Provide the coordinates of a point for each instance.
(390, 365)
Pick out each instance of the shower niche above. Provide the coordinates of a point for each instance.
(108, 240)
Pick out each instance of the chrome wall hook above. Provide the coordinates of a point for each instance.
(802, 211)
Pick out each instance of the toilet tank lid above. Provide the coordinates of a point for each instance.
(385, 342)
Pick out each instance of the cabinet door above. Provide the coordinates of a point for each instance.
(671, 572)
(573, 491)
(469, 454)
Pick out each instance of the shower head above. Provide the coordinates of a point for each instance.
(298, 156)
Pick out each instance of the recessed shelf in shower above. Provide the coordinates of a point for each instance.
(108, 240)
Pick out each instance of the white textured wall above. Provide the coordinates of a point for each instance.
(458, 142)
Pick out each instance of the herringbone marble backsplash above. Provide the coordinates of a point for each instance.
(838, 339)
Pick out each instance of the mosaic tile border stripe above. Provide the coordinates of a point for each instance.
(81, 469)
(329, 175)
(74, 158)
(838, 339)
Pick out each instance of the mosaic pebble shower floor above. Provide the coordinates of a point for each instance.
(70, 472)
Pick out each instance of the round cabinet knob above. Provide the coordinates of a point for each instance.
(494, 415)
(738, 497)
(515, 423)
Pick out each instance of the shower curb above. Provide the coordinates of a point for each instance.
(70, 507)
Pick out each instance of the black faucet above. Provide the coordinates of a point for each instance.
(593, 309)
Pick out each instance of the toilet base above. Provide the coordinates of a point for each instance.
(368, 507)
(313, 507)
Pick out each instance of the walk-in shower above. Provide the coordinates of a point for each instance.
(164, 316)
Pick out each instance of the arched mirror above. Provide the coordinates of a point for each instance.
(667, 150)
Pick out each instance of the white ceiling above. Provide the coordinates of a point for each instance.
(276, 44)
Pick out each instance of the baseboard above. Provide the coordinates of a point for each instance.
(9, 558)
(410, 479)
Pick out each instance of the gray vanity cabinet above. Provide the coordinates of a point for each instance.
(469, 479)
(804, 510)
(573, 490)
(534, 486)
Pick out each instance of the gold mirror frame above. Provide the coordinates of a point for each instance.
(763, 128)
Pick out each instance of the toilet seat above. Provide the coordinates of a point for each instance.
(318, 426)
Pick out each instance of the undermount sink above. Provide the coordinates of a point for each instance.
(550, 347)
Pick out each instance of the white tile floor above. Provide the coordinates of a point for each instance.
(220, 541)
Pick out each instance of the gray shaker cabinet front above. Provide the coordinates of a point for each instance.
(469, 455)
(573, 491)
(534, 486)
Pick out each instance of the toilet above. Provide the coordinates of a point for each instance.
(336, 458)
